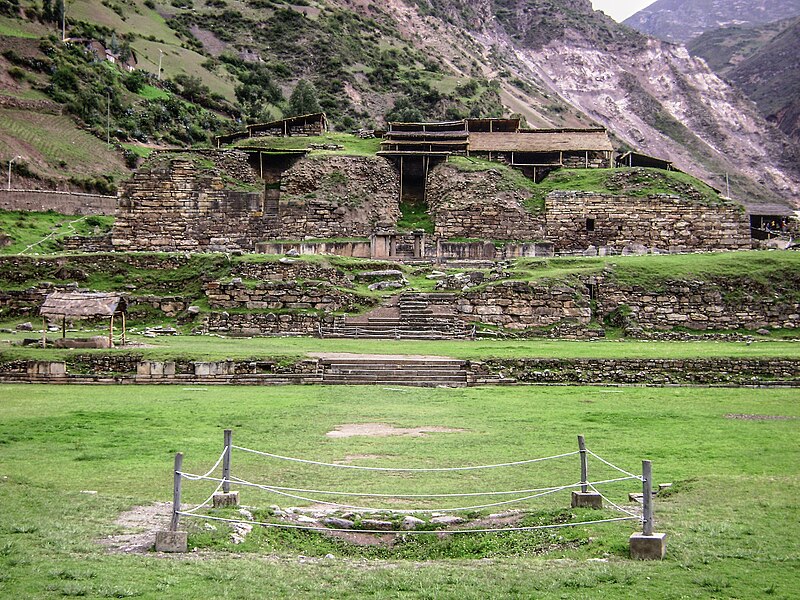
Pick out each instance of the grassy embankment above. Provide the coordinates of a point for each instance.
(72, 459)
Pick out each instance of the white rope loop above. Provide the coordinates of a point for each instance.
(615, 467)
(404, 470)
(209, 472)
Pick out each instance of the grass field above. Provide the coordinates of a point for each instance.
(732, 518)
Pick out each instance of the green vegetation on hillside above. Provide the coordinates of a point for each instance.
(41, 233)
(638, 182)
(351, 145)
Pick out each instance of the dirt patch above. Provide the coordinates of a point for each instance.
(382, 430)
(139, 526)
(759, 417)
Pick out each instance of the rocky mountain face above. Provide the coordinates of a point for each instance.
(653, 96)
(763, 62)
(682, 20)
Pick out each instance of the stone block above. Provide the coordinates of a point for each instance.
(648, 547)
(221, 500)
(587, 500)
(171, 541)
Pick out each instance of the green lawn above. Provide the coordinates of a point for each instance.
(732, 519)
(214, 348)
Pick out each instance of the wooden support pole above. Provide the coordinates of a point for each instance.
(647, 498)
(176, 492)
(123, 328)
(401, 179)
(584, 464)
(226, 461)
(111, 332)
(44, 332)
(63, 326)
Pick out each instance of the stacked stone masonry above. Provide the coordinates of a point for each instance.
(577, 220)
(479, 205)
(279, 296)
(517, 305)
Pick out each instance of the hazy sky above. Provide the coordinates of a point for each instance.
(620, 9)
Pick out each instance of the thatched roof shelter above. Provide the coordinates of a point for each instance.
(82, 305)
(542, 140)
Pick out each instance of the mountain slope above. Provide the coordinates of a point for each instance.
(763, 62)
(682, 20)
(557, 63)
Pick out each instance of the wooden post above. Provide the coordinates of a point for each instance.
(647, 498)
(584, 464)
(63, 326)
(176, 492)
(44, 332)
(111, 332)
(226, 461)
(401, 179)
(123, 328)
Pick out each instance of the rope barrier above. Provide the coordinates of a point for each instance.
(411, 531)
(207, 500)
(604, 461)
(209, 472)
(397, 510)
(616, 506)
(406, 470)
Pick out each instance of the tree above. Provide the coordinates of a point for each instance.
(303, 100)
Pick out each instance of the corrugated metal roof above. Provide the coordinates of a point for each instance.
(593, 140)
(82, 304)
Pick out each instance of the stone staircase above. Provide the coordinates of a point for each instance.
(412, 316)
(419, 372)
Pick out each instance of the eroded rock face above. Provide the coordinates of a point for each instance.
(334, 196)
(481, 204)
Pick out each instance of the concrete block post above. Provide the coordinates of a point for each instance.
(174, 540)
(648, 545)
(585, 498)
(227, 497)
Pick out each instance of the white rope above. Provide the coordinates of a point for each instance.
(278, 489)
(406, 470)
(616, 506)
(207, 500)
(412, 531)
(209, 472)
(399, 511)
(604, 461)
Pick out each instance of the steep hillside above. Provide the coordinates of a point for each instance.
(652, 95)
(763, 62)
(556, 63)
(682, 20)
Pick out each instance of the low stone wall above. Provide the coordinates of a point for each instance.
(482, 205)
(68, 203)
(277, 295)
(132, 368)
(258, 324)
(577, 220)
(517, 305)
(287, 269)
(697, 305)
(715, 371)
(351, 249)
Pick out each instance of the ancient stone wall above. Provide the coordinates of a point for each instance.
(258, 324)
(516, 305)
(68, 203)
(337, 196)
(577, 220)
(481, 204)
(180, 203)
(699, 305)
(279, 295)
(287, 269)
